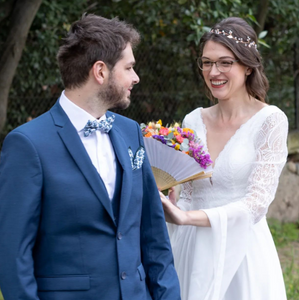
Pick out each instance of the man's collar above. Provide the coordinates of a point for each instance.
(78, 116)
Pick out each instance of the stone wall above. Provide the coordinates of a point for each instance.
(285, 207)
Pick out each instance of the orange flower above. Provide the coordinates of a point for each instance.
(149, 134)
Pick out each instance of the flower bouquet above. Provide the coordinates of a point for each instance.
(176, 154)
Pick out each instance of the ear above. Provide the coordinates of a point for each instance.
(100, 71)
(248, 71)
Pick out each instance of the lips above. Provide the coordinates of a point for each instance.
(218, 83)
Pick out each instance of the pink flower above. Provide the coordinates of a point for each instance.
(179, 138)
(164, 131)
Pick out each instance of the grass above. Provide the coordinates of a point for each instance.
(286, 238)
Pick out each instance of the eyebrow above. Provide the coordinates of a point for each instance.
(222, 57)
(132, 63)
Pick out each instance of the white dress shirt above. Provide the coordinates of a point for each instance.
(97, 144)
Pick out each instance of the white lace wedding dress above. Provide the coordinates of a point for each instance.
(235, 258)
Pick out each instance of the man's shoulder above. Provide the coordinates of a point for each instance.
(34, 129)
(34, 124)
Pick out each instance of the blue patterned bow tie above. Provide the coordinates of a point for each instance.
(103, 125)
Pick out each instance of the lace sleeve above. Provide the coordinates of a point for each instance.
(185, 199)
(270, 159)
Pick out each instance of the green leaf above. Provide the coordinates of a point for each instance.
(263, 34)
(262, 42)
(184, 147)
(253, 19)
(206, 29)
(170, 135)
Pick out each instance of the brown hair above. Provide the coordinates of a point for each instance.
(257, 83)
(91, 39)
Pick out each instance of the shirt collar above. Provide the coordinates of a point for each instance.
(76, 114)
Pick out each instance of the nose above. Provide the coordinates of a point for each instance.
(135, 78)
(214, 71)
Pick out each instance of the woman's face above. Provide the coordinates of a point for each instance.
(228, 85)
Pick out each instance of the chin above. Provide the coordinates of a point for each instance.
(124, 104)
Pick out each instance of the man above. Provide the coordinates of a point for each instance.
(80, 215)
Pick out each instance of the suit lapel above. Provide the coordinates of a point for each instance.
(122, 154)
(72, 141)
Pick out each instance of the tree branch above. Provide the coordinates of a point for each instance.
(22, 17)
(261, 18)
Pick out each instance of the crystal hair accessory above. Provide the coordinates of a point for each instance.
(248, 43)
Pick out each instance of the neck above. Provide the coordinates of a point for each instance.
(88, 100)
(231, 109)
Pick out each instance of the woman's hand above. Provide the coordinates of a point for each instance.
(171, 195)
(179, 217)
(172, 213)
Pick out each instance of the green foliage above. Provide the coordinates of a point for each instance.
(286, 238)
(170, 83)
(37, 75)
(284, 233)
(291, 280)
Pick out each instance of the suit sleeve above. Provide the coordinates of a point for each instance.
(157, 256)
(20, 205)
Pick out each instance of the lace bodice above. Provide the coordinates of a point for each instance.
(247, 170)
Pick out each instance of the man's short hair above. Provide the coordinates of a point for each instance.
(91, 39)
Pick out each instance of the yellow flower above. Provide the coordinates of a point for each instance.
(188, 130)
(177, 147)
(176, 124)
(159, 122)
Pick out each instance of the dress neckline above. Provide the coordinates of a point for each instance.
(232, 137)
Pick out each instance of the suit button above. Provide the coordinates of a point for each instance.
(123, 275)
(119, 236)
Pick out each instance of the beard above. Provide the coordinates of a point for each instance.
(114, 96)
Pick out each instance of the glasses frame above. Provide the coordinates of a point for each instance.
(199, 60)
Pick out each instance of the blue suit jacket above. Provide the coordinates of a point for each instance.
(59, 239)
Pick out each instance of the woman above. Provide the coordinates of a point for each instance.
(225, 250)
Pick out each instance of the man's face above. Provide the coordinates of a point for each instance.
(121, 80)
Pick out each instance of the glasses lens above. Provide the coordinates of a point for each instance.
(224, 65)
(204, 65)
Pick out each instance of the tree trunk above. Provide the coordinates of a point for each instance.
(21, 19)
(261, 18)
(296, 82)
(6, 8)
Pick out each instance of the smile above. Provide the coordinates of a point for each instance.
(217, 83)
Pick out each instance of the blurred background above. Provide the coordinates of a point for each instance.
(170, 86)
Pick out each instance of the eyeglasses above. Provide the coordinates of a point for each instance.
(222, 65)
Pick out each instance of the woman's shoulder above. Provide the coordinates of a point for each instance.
(272, 112)
(269, 118)
(198, 113)
(192, 117)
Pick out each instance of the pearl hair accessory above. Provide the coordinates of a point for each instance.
(247, 43)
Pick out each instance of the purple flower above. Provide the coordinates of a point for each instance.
(160, 138)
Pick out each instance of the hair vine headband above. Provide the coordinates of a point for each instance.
(229, 35)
